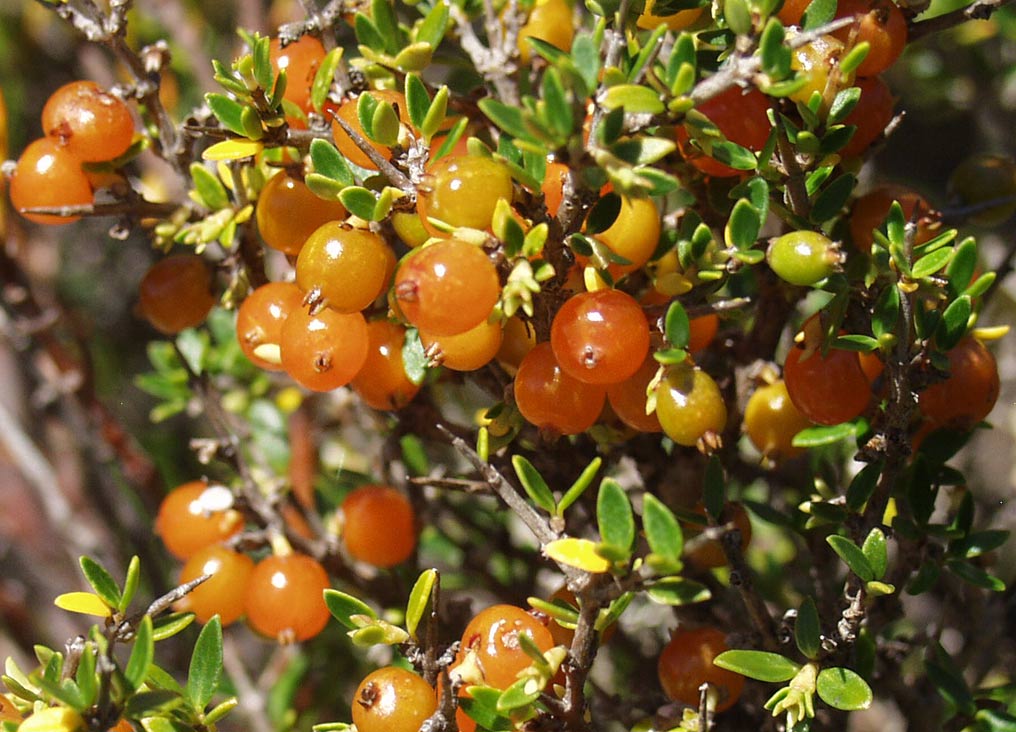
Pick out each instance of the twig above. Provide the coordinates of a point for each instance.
(741, 578)
(492, 63)
(394, 175)
(977, 10)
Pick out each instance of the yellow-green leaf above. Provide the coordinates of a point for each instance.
(54, 719)
(86, 603)
(578, 553)
(232, 150)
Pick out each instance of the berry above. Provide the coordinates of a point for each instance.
(709, 554)
(702, 331)
(47, 176)
(791, 11)
(687, 662)
(8, 712)
(347, 112)
(633, 235)
(380, 525)
(493, 636)
(288, 212)
(869, 212)
(600, 337)
(628, 398)
(90, 124)
(551, 399)
(689, 405)
(196, 515)
(323, 351)
(393, 699)
(819, 61)
(742, 118)
(550, 21)
(300, 60)
(466, 351)
(284, 598)
(977, 180)
(880, 24)
(259, 321)
(871, 115)
(344, 268)
(518, 340)
(221, 594)
(771, 420)
(553, 187)
(176, 293)
(463, 191)
(382, 381)
(827, 389)
(803, 257)
(968, 393)
(447, 288)
(675, 22)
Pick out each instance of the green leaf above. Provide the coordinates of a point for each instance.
(677, 326)
(101, 581)
(343, 606)
(743, 226)
(832, 199)
(534, 484)
(220, 711)
(586, 57)
(206, 665)
(775, 55)
(151, 703)
(950, 686)
(263, 72)
(823, 435)
(329, 162)
(808, 629)
(520, 694)
(324, 77)
(579, 486)
(759, 665)
(434, 25)
(414, 358)
(979, 543)
(383, 15)
(614, 515)
(227, 111)
(603, 213)
(677, 591)
(208, 186)
(876, 552)
(367, 34)
(384, 123)
(855, 342)
(733, 155)
(642, 150)
(419, 598)
(417, 100)
(854, 58)
(863, 486)
(509, 119)
(166, 626)
(850, 553)
(818, 12)
(843, 689)
(714, 492)
(929, 264)
(738, 16)
(130, 584)
(887, 312)
(975, 575)
(359, 202)
(481, 707)
(559, 110)
(953, 325)
(85, 678)
(663, 532)
(324, 187)
(142, 654)
(843, 104)
(634, 98)
(994, 720)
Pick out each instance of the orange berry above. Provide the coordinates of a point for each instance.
(771, 421)
(196, 515)
(392, 699)
(379, 526)
(323, 351)
(463, 191)
(287, 212)
(176, 293)
(742, 117)
(382, 381)
(221, 594)
(968, 393)
(260, 317)
(300, 60)
(493, 635)
(348, 267)
(871, 115)
(687, 662)
(880, 24)
(689, 404)
(47, 176)
(600, 337)
(628, 398)
(869, 212)
(710, 554)
(633, 235)
(551, 399)
(550, 21)
(347, 112)
(284, 598)
(90, 124)
(467, 351)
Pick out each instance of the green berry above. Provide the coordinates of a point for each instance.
(803, 257)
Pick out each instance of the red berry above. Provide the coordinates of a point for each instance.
(551, 399)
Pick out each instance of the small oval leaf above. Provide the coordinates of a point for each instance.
(86, 603)
(760, 665)
(843, 689)
(578, 553)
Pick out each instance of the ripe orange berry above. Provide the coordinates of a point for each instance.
(347, 112)
(466, 351)
(393, 699)
(550, 21)
(463, 191)
(827, 389)
(48, 176)
(447, 288)
(260, 317)
(519, 339)
(600, 337)
(196, 515)
(871, 115)
(628, 398)
(90, 124)
(633, 235)
(382, 381)
(879, 23)
(221, 594)
(687, 662)
(379, 525)
(710, 554)
(702, 331)
(553, 187)
(870, 211)
(348, 267)
(968, 394)
(284, 598)
(300, 60)
(493, 635)
(689, 404)
(791, 11)
(742, 117)
(551, 399)
(771, 420)
(287, 212)
(323, 351)
(176, 293)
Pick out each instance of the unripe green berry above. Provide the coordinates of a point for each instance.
(803, 257)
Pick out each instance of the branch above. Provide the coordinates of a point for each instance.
(977, 10)
(495, 66)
